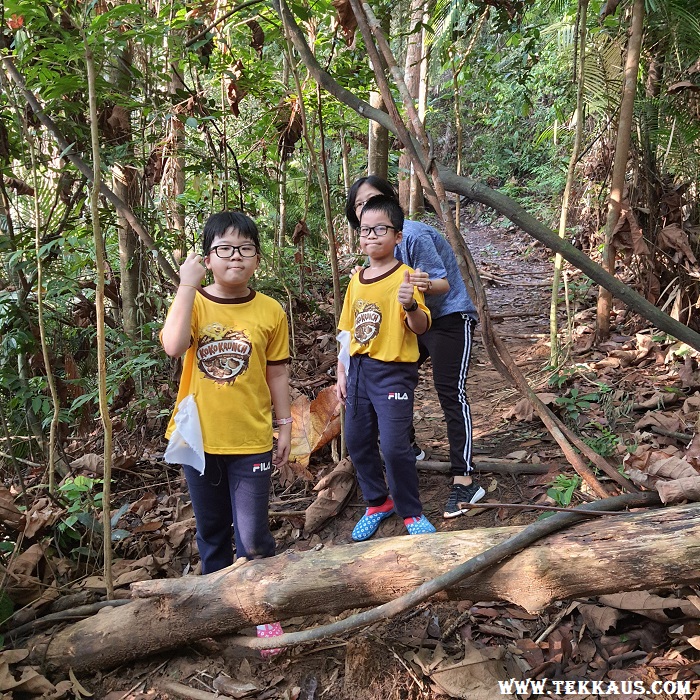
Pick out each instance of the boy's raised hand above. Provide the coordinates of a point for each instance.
(192, 271)
(406, 290)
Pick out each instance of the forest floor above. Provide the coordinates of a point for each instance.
(418, 654)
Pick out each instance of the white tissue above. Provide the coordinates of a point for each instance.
(344, 354)
(186, 445)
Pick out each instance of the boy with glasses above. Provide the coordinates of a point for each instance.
(236, 347)
(384, 313)
(449, 340)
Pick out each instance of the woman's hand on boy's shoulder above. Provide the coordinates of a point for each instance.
(420, 280)
(192, 271)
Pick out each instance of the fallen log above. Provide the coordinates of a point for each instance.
(624, 552)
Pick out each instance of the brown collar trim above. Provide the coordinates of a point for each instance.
(221, 300)
(381, 277)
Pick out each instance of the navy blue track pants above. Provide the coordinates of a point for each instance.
(233, 491)
(379, 405)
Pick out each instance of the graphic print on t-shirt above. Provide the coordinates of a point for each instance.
(368, 318)
(223, 353)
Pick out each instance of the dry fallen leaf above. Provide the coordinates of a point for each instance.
(691, 404)
(29, 681)
(685, 489)
(315, 423)
(671, 468)
(661, 420)
(21, 585)
(91, 463)
(628, 237)
(176, 533)
(522, 411)
(230, 687)
(648, 604)
(599, 618)
(42, 515)
(144, 504)
(475, 677)
(9, 513)
(346, 19)
(674, 237)
(333, 491)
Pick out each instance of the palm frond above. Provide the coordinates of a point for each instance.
(602, 74)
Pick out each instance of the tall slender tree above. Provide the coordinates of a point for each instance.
(622, 147)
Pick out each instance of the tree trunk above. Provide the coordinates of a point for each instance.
(282, 202)
(412, 191)
(347, 179)
(573, 160)
(282, 182)
(378, 146)
(378, 149)
(174, 168)
(417, 201)
(622, 148)
(100, 267)
(599, 556)
(649, 134)
(125, 186)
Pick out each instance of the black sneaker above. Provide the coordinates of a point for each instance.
(460, 496)
(420, 455)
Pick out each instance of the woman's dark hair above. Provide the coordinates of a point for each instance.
(218, 224)
(386, 205)
(379, 183)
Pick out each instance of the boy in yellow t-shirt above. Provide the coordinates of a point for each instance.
(383, 313)
(236, 347)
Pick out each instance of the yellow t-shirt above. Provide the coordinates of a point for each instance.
(376, 320)
(233, 341)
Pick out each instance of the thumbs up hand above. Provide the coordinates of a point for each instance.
(405, 297)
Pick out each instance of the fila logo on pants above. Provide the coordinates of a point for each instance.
(262, 467)
(398, 396)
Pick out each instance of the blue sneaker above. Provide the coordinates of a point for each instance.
(420, 526)
(367, 525)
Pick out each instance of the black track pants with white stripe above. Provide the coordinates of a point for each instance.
(448, 343)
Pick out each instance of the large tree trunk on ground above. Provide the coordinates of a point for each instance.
(605, 555)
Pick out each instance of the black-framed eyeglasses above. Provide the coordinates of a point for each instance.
(247, 250)
(379, 231)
